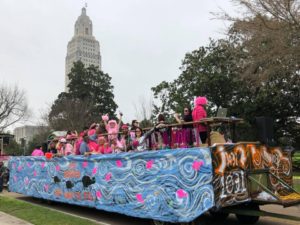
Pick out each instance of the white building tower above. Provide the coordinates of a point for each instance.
(83, 46)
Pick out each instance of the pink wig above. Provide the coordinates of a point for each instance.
(113, 122)
(113, 132)
(201, 100)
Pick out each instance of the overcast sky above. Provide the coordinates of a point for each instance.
(142, 43)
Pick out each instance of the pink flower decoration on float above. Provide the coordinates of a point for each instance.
(43, 165)
(181, 193)
(14, 165)
(119, 163)
(94, 171)
(197, 165)
(139, 198)
(34, 173)
(149, 164)
(84, 164)
(57, 168)
(108, 176)
(15, 179)
(19, 168)
(26, 181)
(98, 194)
(46, 187)
(28, 164)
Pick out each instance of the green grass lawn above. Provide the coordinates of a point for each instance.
(296, 172)
(38, 215)
(296, 159)
(296, 182)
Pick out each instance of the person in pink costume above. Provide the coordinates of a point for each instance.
(37, 151)
(111, 126)
(199, 113)
(92, 129)
(66, 148)
(103, 147)
(116, 146)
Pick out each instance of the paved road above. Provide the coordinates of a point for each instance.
(107, 218)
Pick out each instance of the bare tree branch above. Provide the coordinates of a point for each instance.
(13, 106)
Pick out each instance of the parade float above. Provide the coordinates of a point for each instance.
(167, 186)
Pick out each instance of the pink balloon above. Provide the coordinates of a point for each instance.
(197, 165)
(181, 193)
(119, 163)
(84, 164)
(108, 176)
(149, 164)
(98, 194)
(139, 198)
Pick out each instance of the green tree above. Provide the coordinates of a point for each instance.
(90, 94)
(91, 84)
(68, 113)
(254, 72)
(208, 71)
(268, 34)
(219, 71)
(13, 148)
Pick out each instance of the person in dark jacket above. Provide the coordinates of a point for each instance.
(2, 171)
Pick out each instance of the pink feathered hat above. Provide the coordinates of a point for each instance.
(112, 121)
(201, 100)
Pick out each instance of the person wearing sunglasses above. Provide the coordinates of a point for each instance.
(186, 117)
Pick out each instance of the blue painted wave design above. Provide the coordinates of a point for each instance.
(167, 185)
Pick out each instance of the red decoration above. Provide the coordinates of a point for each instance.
(48, 155)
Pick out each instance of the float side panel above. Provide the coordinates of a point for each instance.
(168, 185)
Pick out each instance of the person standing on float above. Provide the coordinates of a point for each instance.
(199, 113)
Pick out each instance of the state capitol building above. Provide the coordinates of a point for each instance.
(83, 46)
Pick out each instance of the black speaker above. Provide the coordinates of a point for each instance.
(265, 130)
